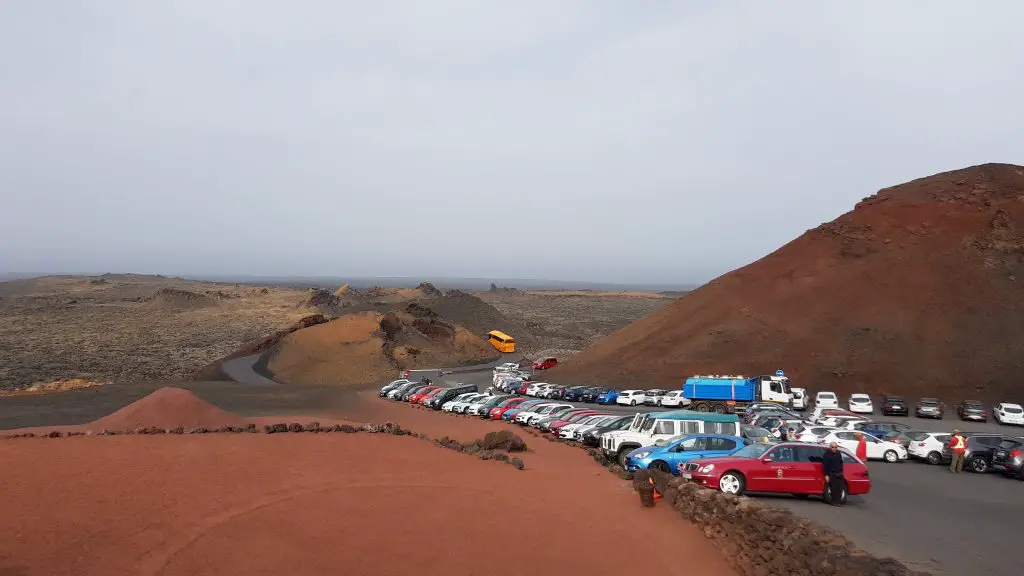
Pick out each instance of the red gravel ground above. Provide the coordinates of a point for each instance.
(327, 504)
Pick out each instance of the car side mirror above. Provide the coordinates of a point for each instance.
(766, 459)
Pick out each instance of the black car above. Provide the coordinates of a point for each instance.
(895, 406)
(593, 437)
(574, 393)
(591, 394)
(1008, 457)
(438, 400)
(972, 410)
(929, 408)
(980, 450)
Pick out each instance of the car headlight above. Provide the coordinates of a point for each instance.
(641, 454)
(707, 469)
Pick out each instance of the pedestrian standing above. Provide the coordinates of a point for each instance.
(832, 466)
(862, 447)
(957, 448)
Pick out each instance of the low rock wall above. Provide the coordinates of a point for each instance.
(759, 539)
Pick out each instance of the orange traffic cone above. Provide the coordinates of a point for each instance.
(657, 495)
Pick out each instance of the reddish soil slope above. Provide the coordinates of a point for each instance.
(167, 408)
(919, 290)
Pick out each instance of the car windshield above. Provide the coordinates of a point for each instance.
(647, 424)
(1012, 409)
(752, 451)
(973, 405)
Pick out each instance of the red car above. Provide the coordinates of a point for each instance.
(423, 399)
(415, 398)
(522, 389)
(787, 468)
(497, 411)
(570, 419)
(545, 363)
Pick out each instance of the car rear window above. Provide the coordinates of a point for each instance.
(917, 436)
(972, 404)
(895, 399)
(828, 395)
(1012, 410)
(929, 402)
(943, 438)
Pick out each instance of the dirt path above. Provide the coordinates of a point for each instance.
(323, 504)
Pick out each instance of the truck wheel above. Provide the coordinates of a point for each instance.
(702, 407)
(718, 409)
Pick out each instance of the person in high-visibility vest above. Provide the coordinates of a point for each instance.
(957, 448)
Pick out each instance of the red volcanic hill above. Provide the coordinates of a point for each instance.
(919, 290)
(167, 408)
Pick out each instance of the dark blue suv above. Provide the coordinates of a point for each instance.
(574, 394)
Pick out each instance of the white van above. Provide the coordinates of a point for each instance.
(799, 398)
(630, 397)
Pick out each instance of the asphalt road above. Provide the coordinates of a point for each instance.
(923, 515)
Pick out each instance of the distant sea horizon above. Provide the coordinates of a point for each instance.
(391, 281)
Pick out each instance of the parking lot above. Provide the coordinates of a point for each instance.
(921, 514)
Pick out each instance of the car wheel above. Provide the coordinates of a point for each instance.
(621, 456)
(632, 402)
(832, 499)
(934, 458)
(979, 465)
(732, 483)
(891, 456)
(660, 467)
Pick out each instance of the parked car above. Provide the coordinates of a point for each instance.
(591, 394)
(544, 424)
(894, 406)
(1008, 457)
(972, 410)
(630, 398)
(591, 435)
(980, 449)
(904, 438)
(449, 406)
(568, 432)
(524, 388)
(415, 398)
(929, 408)
(391, 386)
(507, 367)
(819, 413)
(880, 429)
(427, 397)
(1006, 413)
(545, 363)
(609, 396)
(654, 397)
(775, 423)
(813, 434)
(574, 393)
(527, 418)
(506, 404)
(861, 404)
(483, 407)
(789, 468)
(927, 446)
(447, 394)
(826, 400)
(668, 456)
(675, 398)
(799, 398)
(552, 392)
(846, 421)
(757, 434)
(557, 426)
(510, 413)
(878, 449)
(405, 396)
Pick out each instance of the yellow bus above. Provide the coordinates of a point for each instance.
(503, 342)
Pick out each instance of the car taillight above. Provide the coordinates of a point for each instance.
(920, 444)
(1015, 453)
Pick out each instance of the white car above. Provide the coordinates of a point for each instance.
(654, 397)
(675, 398)
(842, 422)
(450, 405)
(928, 445)
(541, 412)
(531, 390)
(814, 434)
(630, 398)
(861, 404)
(877, 449)
(461, 405)
(506, 367)
(826, 400)
(566, 432)
(1007, 413)
(799, 398)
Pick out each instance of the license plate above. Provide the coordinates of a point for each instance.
(1000, 454)
(687, 476)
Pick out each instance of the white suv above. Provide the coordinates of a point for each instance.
(1007, 413)
(675, 398)
(630, 397)
(927, 445)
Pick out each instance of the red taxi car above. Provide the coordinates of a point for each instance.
(789, 468)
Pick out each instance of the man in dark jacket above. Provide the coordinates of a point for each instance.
(832, 466)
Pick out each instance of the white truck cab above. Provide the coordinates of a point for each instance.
(653, 427)
(799, 398)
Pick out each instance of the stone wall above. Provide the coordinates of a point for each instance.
(759, 539)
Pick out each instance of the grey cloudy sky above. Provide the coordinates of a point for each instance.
(591, 140)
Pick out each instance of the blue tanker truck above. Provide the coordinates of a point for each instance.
(723, 394)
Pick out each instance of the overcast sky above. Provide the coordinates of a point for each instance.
(591, 140)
